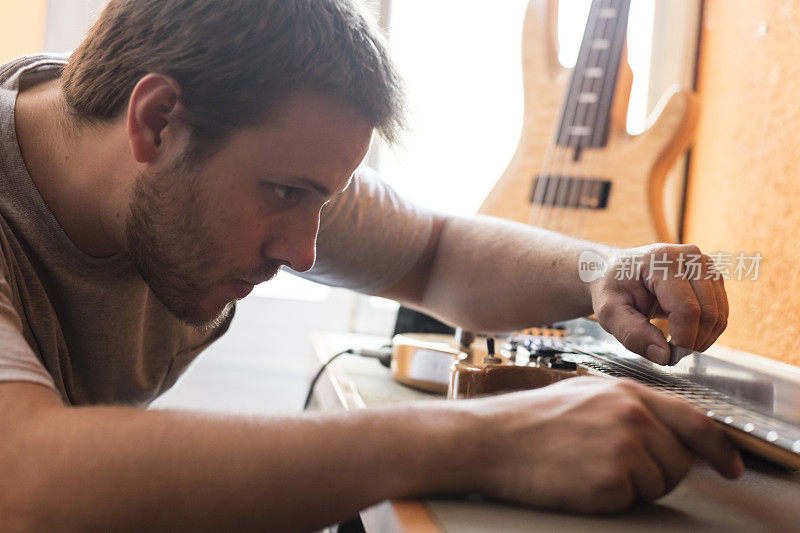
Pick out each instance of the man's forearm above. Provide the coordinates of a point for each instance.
(102, 468)
(506, 260)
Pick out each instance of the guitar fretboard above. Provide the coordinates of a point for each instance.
(724, 408)
(586, 111)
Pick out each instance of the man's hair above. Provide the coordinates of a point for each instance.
(235, 61)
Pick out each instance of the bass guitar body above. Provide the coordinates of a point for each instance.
(589, 178)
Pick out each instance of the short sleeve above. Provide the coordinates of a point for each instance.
(369, 236)
(17, 360)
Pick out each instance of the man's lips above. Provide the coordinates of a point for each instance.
(241, 288)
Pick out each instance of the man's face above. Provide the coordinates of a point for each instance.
(202, 235)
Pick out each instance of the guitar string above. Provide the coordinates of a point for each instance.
(612, 364)
(580, 142)
(586, 171)
(579, 169)
(704, 397)
(547, 185)
(604, 86)
(552, 178)
(542, 183)
(610, 82)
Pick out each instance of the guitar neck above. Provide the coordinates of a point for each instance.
(757, 411)
(586, 112)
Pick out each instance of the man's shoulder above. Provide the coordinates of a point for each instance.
(9, 68)
(6, 235)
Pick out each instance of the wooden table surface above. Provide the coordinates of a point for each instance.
(764, 499)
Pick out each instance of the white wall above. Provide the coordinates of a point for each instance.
(67, 21)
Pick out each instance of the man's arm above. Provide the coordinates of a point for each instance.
(487, 274)
(114, 468)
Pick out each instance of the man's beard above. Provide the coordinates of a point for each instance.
(171, 242)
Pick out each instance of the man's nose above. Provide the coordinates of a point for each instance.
(297, 245)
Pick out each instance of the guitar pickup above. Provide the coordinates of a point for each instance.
(563, 191)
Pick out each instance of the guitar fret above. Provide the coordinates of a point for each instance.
(600, 44)
(580, 131)
(587, 98)
(593, 72)
(608, 13)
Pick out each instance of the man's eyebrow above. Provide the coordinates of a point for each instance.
(321, 189)
(311, 184)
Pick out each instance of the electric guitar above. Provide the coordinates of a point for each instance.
(757, 410)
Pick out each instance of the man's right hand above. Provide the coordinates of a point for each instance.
(586, 444)
(594, 445)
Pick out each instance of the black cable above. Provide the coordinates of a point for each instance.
(382, 354)
(319, 373)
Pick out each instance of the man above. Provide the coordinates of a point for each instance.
(185, 152)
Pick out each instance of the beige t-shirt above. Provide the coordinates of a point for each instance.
(91, 329)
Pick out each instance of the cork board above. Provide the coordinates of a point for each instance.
(743, 193)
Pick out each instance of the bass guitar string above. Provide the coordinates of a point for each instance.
(544, 193)
(590, 85)
(555, 173)
(602, 112)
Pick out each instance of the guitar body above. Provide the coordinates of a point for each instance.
(633, 169)
(475, 379)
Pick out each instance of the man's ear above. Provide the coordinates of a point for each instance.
(152, 107)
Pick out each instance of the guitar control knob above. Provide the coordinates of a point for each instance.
(491, 358)
(464, 339)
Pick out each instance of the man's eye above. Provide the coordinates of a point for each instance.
(285, 192)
